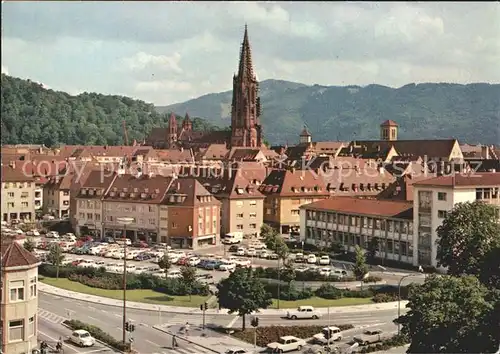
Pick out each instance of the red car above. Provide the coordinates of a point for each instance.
(183, 261)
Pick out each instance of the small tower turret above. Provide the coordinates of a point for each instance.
(187, 124)
(389, 130)
(305, 136)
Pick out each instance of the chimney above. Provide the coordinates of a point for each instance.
(178, 186)
(230, 171)
(12, 164)
(485, 152)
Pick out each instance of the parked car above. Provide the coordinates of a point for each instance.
(287, 344)
(174, 274)
(303, 312)
(237, 351)
(227, 266)
(324, 260)
(82, 338)
(371, 336)
(233, 248)
(311, 259)
(328, 334)
(241, 251)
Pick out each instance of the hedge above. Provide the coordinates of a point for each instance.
(98, 334)
(329, 291)
(309, 275)
(98, 278)
(396, 341)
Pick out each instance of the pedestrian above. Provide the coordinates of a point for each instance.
(186, 328)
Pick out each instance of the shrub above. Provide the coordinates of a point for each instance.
(288, 292)
(384, 298)
(329, 291)
(97, 333)
(270, 334)
(272, 273)
(372, 279)
(396, 341)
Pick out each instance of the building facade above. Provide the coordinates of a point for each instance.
(18, 300)
(352, 221)
(435, 197)
(18, 194)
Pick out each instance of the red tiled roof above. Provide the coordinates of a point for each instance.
(14, 255)
(393, 209)
(15, 174)
(461, 180)
(389, 123)
(153, 187)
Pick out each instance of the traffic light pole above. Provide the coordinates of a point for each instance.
(203, 308)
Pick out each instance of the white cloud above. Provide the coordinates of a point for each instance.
(5, 70)
(171, 52)
(141, 61)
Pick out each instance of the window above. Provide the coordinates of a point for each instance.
(10, 204)
(81, 215)
(174, 225)
(16, 330)
(66, 202)
(151, 208)
(11, 194)
(253, 226)
(441, 196)
(33, 287)
(239, 216)
(152, 221)
(97, 217)
(295, 212)
(66, 193)
(442, 214)
(17, 290)
(253, 203)
(89, 216)
(24, 204)
(31, 326)
(215, 224)
(239, 203)
(252, 215)
(239, 227)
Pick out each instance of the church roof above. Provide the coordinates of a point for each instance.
(305, 132)
(389, 123)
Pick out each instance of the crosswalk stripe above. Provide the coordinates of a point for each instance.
(51, 317)
(189, 350)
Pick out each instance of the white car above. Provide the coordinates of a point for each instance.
(70, 236)
(98, 264)
(240, 251)
(258, 245)
(243, 262)
(86, 263)
(287, 344)
(174, 274)
(52, 234)
(251, 252)
(227, 266)
(82, 338)
(238, 351)
(303, 312)
(311, 259)
(324, 260)
(325, 272)
(328, 334)
(193, 261)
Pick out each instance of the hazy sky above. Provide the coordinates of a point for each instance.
(166, 52)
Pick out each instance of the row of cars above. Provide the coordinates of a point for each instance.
(259, 250)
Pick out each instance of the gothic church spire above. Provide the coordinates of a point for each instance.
(245, 69)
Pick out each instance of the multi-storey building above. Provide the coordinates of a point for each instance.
(190, 215)
(18, 299)
(56, 196)
(352, 221)
(435, 197)
(18, 194)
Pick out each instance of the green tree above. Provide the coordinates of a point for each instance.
(29, 245)
(466, 235)
(269, 235)
(243, 293)
(490, 265)
(372, 250)
(360, 267)
(55, 256)
(188, 278)
(449, 315)
(164, 262)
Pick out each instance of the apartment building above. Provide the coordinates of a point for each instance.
(137, 196)
(56, 195)
(18, 299)
(189, 215)
(88, 215)
(18, 194)
(435, 197)
(352, 221)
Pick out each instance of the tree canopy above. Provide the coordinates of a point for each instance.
(467, 234)
(243, 293)
(32, 114)
(450, 315)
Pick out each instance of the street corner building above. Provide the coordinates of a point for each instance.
(19, 299)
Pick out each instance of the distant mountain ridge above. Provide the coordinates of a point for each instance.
(470, 113)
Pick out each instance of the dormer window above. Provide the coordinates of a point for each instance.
(369, 186)
(171, 199)
(377, 187)
(144, 195)
(133, 195)
(91, 192)
(136, 190)
(157, 191)
(239, 190)
(154, 196)
(84, 192)
(383, 185)
(316, 188)
(115, 189)
(122, 194)
(146, 190)
(303, 189)
(125, 189)
(112, 193)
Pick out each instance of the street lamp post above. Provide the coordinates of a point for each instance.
(399, 295)
(124, 221)
(303, 280)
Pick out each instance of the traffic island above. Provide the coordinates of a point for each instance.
(99, 335)
(265, 335)
(206, 339)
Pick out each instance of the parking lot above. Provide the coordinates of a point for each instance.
(211, 266)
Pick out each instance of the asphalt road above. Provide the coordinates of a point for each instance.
(53, 310)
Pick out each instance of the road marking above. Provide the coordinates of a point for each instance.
(95, 319)
(117, 315)
(155, 344)
(50, 317)
(232, 322)
(143, 324)
(97, 350)
(55, 340)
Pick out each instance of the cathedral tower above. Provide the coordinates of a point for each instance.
(246, 130)
(172, 130)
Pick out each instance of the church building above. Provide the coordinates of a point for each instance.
(246, 130)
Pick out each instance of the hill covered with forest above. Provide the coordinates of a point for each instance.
(32, 114)
(469, 112)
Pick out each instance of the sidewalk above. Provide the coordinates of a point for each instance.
(52, 290)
